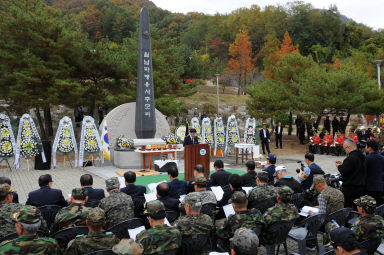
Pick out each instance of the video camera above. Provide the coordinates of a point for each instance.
(302, 166)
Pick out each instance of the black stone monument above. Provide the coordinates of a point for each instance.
(145, 119)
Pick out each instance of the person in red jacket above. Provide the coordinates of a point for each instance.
(326, 143)
(339, 140)
(353, 135)
(315, 142)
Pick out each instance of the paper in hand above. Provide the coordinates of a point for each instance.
(304, 211)
(218, 191)
(134, 232)
(228, 210)
(150, 197)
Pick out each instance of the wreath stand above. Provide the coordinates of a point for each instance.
(90, 159)
(6, 160)
(70, 162)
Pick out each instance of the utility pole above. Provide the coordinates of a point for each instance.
(378, 63)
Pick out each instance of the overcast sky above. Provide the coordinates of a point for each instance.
(368, 12)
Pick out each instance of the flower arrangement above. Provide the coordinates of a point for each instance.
(90, 140)
(170, 138)
(250, 131)
(180, 132)
(6, 148)
(207, 131)
(124, 143)
(28, 144)
(65, 144)
(233, 135)
(219, 134)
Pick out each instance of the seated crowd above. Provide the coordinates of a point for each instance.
(172, 219)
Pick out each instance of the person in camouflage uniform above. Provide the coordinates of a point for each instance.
(282, 211)
(262, 191)
(118, 206)
(73, 215)
(330, 199)
(248, 218)
(367, 226)
(160, 237)
(206, 196)
(244, 241)
(96, 239)
(195, 223)
(7, 208)
(128, 247)
(27, 223)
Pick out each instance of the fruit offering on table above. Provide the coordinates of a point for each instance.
(148, 147)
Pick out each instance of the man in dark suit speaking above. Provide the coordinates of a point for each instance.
(264, 138)
(191, 138)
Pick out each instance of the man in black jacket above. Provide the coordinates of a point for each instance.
(170, 203)
(94, 195)
(265, 138)
(374, 165)
(353, 173)
(220, 177)
(191, 138)
(130, 188)
(279, 135)
(235, 184)
(46, 195)
(249, 179)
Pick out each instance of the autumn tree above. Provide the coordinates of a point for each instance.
(241, 63)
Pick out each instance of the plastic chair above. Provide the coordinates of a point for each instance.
(340, 216)
(171, 215)
(370, 245)
(92, 204)
(101, 252)
(264, 205)
(121, 229)
(193, 244)
(209, 209)
(65, 235)
(309, 231)
(380, 210)
(281, 229)
(49, 213)
(15, 235)
(297, 199)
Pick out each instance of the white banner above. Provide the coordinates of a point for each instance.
(4, 118)
(88, 120)
(64, 121)
(27, 117)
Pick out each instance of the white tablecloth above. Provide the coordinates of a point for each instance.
(250, 148)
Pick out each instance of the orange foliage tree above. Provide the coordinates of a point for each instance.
(241, 63)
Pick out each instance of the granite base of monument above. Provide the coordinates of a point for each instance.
(132, 159)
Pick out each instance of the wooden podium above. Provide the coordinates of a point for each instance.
(193, 155)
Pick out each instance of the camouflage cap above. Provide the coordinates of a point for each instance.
(193, 199)
(368, 203)
(200, 180)
(127, 247)
(5, 189)
(238, 197)
(79, 194)
(96, 216)
(245, 241)
(285, 192)
(317, 179)
(28, 214)
(154, 208)
(112, 183)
